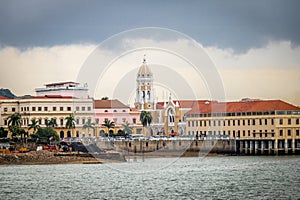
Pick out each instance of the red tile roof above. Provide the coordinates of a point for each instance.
(109, 104)
(241, 106)
(183, 103)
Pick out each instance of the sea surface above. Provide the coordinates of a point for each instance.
(230, 177)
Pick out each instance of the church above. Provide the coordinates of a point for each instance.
(167, 116)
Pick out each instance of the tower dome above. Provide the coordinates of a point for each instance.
(144, 69)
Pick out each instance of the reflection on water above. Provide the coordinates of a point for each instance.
(185, 178)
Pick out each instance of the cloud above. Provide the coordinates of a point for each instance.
(24, 70)
(270, 72)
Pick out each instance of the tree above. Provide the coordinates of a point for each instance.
(14, 124)
(14, 120)
(89, 125)
(146, 119)
(45, 134)
(109, 124)
(51, 123)
(34, 125)
(127, 129)
(70, 124)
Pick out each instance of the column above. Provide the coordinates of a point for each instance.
(246, 146)
(286, 150)
(270, 146)
(251, 147)
(276, 147)
(262, 147)
(293, 145)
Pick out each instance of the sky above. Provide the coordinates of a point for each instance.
(254, 45)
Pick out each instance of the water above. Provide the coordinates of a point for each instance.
(273, 177)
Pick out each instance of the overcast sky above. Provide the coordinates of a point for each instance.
(252, 43)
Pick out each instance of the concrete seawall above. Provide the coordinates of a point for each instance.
(204, 146)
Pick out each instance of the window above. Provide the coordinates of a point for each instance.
(97, 121)
(253, 121)
(200, 122)
(297, 132)
(68, 108)
(21, 109)
(39, 108)
(266, 121)
(83, 120)
(54, 108)
(228, 122)
(77, 121)
(244, 133)
(260, 121)
(83, 108)
(193, 124)
(248, 133)
(280, 132)
(40, 121)
(189, 124)
(289, 121)
(248, 122)
(13, 109)
(238, 122)
(233, 122)
(115, 110)
(45, 108)
(125, 110)
(244, 122)
(77, 108)
(272, 121)
(289, 132)
(297, 121)
(89, 108)
(61, 108)
(61, 121)
(33, 108)
(105, 110)
(4, 109)
(280, 121)
(5, 122)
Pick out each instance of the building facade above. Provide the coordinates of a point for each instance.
(257, 124)
(50, 106)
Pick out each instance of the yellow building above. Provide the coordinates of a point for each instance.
(259, 125)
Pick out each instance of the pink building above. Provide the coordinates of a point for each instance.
(119, 113)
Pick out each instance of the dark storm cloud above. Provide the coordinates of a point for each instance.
(227, 24)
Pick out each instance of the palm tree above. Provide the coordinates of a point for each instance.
(146, 119)
(14, 120)
(89, 125)
(70, 124)
(14, 123)
(34, 125)
(51, 123)
(109, 124)
(126, 128)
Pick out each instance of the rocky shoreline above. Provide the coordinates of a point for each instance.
(49, 157)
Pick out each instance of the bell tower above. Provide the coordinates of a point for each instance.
(144, 91)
